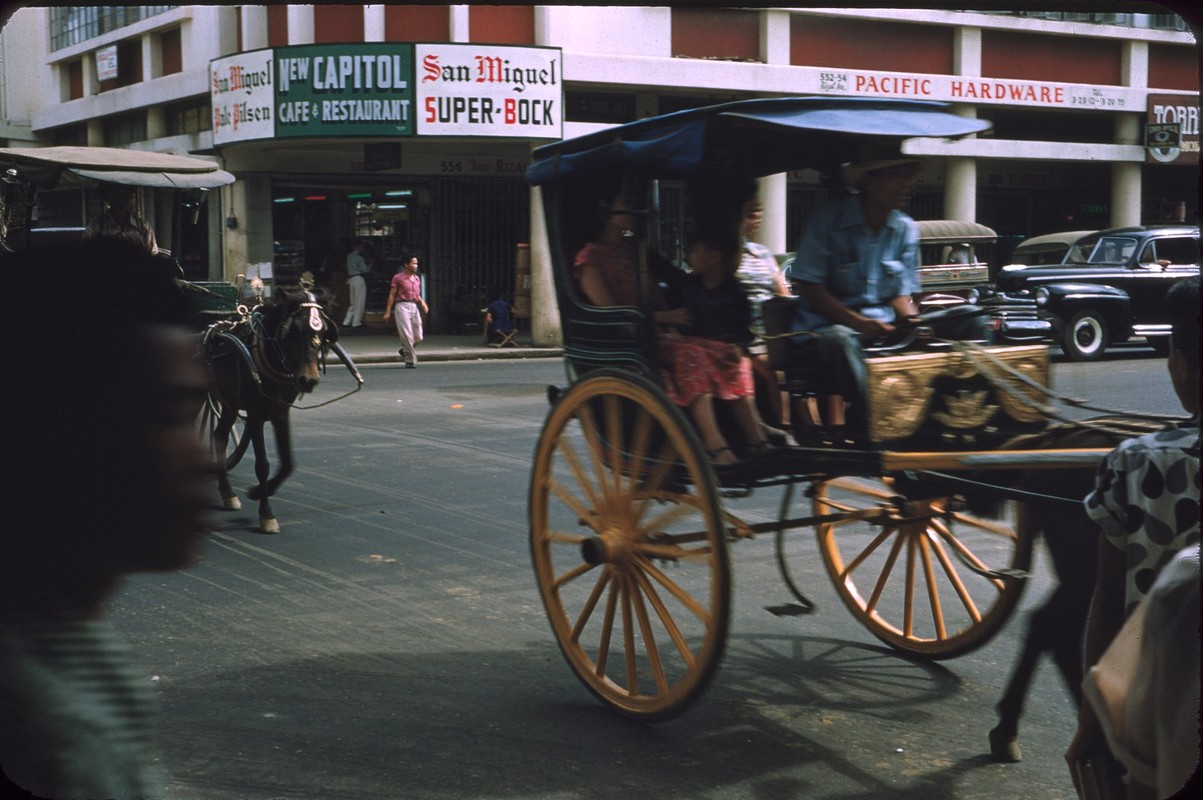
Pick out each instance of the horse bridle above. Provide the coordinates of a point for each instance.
(269, 356)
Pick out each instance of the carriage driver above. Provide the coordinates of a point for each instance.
(119, 218)
(856, 270)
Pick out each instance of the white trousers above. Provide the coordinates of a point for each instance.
(359, 298)
(408, 317)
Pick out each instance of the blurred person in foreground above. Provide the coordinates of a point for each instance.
(106, 476)
(1146, 503)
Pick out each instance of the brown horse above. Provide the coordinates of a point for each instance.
(1058, 626)
(260, 365)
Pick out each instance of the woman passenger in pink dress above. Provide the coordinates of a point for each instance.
(695, 371)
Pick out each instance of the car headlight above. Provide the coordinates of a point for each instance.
(973, 296)
(1041, 295)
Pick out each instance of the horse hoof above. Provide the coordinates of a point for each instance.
(231, 503)
(1004, 747)
(269, 525)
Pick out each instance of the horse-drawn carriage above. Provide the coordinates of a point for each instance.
(259, 355)
(629, 532)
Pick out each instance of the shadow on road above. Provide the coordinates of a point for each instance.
(515, 724)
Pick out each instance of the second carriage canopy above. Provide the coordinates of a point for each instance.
(756, 137)
(45, 167)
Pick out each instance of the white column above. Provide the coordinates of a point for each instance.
(960, 189)
(774, 36)
(1126, 185)
(201, 39)
(967, 52)
(545, 327)
(373, 23)
(300, 24)
(254, 27)
(152, 57)
(459, 24)
(773, 196)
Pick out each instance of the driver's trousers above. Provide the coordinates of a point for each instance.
(837, 354)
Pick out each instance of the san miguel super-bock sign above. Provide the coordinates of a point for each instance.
(387, 90)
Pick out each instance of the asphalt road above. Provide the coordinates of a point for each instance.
(390, 642)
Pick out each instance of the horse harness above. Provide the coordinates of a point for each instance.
(261, 350)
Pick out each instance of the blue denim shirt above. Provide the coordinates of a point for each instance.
(862, 271)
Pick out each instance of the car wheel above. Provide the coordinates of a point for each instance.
(1085, 336)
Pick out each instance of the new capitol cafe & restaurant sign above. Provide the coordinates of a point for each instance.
(388, 90)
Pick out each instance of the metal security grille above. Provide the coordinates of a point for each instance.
(475, 228)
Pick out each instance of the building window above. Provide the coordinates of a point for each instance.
(169, 46)
(129, 66)
(609, 107)
(191, 117)
(74, 24)
(125, 129)
(70, 135)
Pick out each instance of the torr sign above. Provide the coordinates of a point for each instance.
(1168, 112)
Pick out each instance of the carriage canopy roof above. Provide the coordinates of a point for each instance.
(756, 137)
(45, 167)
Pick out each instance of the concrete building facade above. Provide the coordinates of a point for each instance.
(410, 126)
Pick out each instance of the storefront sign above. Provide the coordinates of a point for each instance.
(481, 90)
(241, 94)
(1172, 130)
(958, 89)
(344, 90)
(106, 63)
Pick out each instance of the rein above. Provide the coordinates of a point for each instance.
(990, 366)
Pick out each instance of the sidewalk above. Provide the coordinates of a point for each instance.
(379, 345)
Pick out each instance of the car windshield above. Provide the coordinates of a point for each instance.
(1110, 250)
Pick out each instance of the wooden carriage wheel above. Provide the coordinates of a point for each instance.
(914, 576)
(206, 424)
(629, 545)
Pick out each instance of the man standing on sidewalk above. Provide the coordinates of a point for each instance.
(357, 285)
(405, 297)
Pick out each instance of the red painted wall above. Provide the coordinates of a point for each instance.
(865, 44)
(407, 23)
(277, 26)
(1028, 57)
(501, 24)
(337, 24)
(173, 61)
(75, 80)
(715, 33)
(1173, 68)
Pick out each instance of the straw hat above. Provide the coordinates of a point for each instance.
(874, 156)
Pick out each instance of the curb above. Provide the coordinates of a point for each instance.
(470, 355)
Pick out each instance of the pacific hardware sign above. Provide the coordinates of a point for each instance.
(387, 90)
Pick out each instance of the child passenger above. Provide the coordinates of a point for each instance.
(696, 370)
(705, 360)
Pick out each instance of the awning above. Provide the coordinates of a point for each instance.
(45, 167)
(755, 137)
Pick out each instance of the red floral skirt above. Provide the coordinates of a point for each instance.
(692, 366)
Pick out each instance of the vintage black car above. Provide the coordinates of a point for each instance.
(1109, 288)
